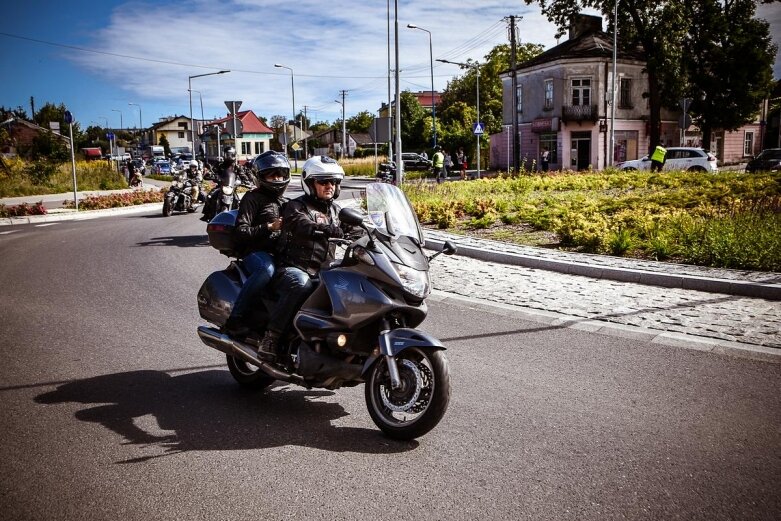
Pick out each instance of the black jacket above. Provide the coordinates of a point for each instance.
(306, 228)
(256, 210)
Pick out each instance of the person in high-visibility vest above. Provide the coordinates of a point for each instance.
(657, 158)
(439, 164)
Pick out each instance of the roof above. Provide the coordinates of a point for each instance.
(92, 152)
(167, 120)
(595, 44)
(250, 122)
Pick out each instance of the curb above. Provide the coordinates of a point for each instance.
(658, 337)
(665, 280)
(81, 215)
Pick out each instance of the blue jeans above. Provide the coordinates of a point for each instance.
(293, 287)
(261, 266)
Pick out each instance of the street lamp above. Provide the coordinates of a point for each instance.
(344, 129)
(140, 125)
(431, 58)
(476, 65)
(121, 124)
(200, 97)
(293, 88)
(189, 90)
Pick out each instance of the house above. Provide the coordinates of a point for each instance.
(424, 98)
(563, 104)
(19, 134)
(331, 142)
(254, 136)
(176, 129)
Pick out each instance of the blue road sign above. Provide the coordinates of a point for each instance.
(68, 117)
(109, 136)
(478, 128)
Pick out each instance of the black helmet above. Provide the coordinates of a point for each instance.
(267, 163)
(230, 154)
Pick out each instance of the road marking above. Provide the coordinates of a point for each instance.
(45, 224)
(6, 233)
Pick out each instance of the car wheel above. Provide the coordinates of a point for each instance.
(696, 169)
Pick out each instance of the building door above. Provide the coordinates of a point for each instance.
(580, 150)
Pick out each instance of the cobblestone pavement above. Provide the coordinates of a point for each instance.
(710, 315)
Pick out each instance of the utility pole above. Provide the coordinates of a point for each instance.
(516, 136)
(32, 107)
(306, 138)
(344, 126)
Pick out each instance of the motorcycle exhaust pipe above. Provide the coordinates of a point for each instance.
(216, 340)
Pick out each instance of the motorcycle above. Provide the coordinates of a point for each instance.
(386, 172)
(223, 196)
(178, 198)
(357, 327)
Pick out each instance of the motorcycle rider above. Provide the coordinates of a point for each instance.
(228, 162)
(257, 229)
(194, 175)
(308, 222)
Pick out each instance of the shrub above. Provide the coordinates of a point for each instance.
(22, 210)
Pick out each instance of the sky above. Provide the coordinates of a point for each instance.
(119, 63)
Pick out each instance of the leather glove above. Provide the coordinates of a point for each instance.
(334, 232)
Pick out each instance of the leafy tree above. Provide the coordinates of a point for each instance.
(728, 63)
(277, 125)
(47, 146)
(360, 123)
(412, 120)
(165, 144)
(18, 112)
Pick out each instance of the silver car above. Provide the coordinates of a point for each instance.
(678, 158)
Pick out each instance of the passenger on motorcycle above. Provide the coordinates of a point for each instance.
(194, 175)
(308, 222)
(258, 227)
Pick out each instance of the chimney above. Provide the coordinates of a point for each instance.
(581, 24)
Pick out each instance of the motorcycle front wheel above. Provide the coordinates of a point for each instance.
(167, 208)
(247, 375)
(420, 403)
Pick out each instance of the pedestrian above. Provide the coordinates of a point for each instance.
(448, 163)
(545, 159)
(424, 155)
(461, 162)
(657, 158)
(439, 164)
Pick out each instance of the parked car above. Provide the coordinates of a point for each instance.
(163, 168)
(413, 161)
(139, 164)
(769, 160)
(678, 158)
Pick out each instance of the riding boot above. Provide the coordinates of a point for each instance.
(269, 345)
(235, 327)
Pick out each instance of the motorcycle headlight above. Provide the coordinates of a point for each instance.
(227, 190)
(413, 281)
(176, 184)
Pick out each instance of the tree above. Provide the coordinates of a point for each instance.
(165, 144)
(412, 120)
(660, 28)
(278, 123)
(360, 123)
(730, 72)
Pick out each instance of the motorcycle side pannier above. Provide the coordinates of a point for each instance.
(220, 231)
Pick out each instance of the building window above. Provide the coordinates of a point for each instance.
(748, 143)
(183, 124)
(581, 91)
(625, 94)
(548, 95)
(246, 148)
(519, 97)
(180, 134)
(625, 145)
(258, 147)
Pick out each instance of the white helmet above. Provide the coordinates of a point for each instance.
(323, 168)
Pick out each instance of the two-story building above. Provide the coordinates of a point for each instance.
(253, 136)
(563, 104)
(176, 129)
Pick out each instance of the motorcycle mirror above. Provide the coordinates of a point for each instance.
(449, 248)
(351, 216)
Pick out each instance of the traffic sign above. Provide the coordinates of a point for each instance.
(109, 136)
(685, 103)
(684, 121)
(296, 147)
(233, 106)
(478, 128)
(68, 117)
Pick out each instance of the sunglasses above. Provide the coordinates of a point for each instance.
(323, 182)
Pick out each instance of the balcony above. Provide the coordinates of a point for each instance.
(579, 113)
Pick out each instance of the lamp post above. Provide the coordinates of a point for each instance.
(200, 98)
(293, 89)
(121, 123)
(190, 91)
(110, 142)
(344, 129)
(140, 126)
(476, 65)
(431, 59)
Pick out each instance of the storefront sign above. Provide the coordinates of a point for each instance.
(545, 125)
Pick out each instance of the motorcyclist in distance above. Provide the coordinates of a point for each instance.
(308, 222)
(194, 175)
(257, 229)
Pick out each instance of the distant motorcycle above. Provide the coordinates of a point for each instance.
(223, 197)
(178, 198)
(386, 172)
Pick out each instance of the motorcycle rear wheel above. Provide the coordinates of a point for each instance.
(420, 404)
(167, 210)
(247, 375)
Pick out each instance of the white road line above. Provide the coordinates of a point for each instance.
(45, 224)
(6, 233)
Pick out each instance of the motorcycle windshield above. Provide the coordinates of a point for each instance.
(390, 212)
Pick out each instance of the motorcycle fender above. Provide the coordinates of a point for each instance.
(395, 341)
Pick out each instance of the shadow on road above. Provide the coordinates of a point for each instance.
(207, 410)
(182, 241)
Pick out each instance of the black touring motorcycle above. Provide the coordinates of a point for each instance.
(356, 327)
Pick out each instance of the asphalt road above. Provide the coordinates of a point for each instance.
(111, 408)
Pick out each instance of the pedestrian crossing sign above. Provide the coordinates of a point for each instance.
(477, 128)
